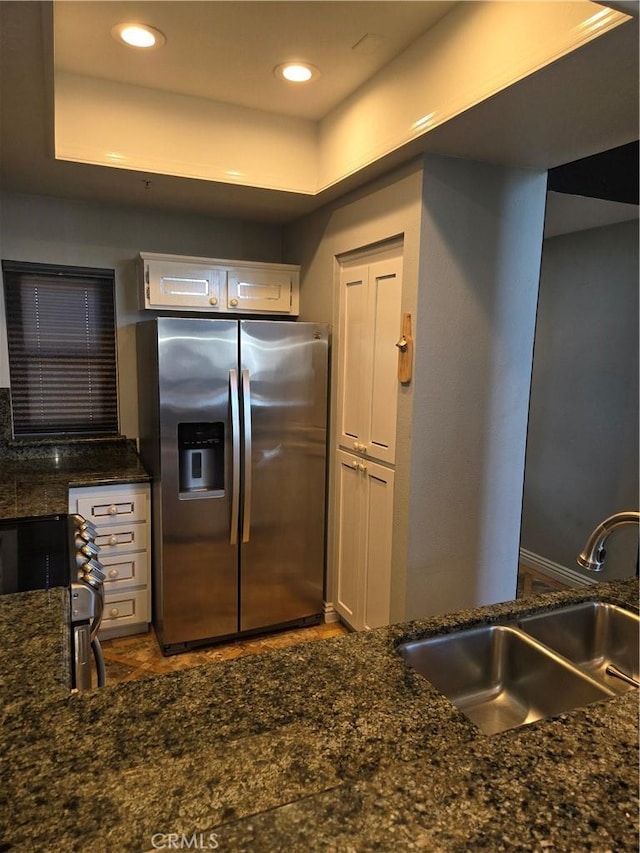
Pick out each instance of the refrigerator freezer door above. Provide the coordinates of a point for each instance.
(282, 556)
(197, 364)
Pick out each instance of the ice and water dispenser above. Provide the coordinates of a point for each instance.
(201, 458)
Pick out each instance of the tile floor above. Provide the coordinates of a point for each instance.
(532, 582)
(129, 658)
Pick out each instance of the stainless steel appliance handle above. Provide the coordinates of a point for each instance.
(98, 611)
(101, 670)
(82, 665)
(235, 462)
(246, 404)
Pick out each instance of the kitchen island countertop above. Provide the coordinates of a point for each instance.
(334, 745)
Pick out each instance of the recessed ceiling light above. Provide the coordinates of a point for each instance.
(296, 72)
(138, 35)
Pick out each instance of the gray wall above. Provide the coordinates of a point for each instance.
(582, 452)
(50, 230)
(472, 243)
(479, 270)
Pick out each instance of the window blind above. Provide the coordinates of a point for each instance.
(62, 350)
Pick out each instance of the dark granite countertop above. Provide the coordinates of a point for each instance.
(36, 481)
(35, 475)
(327, 746)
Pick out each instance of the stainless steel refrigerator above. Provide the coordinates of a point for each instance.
(233, 421)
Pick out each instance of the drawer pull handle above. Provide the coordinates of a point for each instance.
(113, 573)
(126, 537)
(119, 508)
(114, 612)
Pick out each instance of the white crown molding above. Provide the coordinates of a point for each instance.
(101, 122)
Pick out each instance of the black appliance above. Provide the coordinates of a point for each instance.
(60, 551)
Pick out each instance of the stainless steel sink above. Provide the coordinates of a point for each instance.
(595, 636)
(500, 677)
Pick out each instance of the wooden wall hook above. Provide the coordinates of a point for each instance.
(405, 351)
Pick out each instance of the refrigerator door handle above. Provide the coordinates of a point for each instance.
(234, 397)
(246, 404)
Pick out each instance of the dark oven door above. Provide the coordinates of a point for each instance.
(34, 554)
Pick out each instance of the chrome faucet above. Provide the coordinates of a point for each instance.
(593, 555)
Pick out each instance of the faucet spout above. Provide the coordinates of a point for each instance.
(593, 554)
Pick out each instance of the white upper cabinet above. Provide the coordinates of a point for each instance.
(217, 286)
(370, 327)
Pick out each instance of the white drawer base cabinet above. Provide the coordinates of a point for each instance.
(122, 519)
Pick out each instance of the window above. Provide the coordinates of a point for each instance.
(62, 350)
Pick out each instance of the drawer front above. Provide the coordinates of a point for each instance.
(121, 538)
(125, 608)
(114, 507)
(125, 570)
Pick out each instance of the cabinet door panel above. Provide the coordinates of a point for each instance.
(175, 285)
(260, 290)
(377, 558)
(354, 366)
(349, 538)
(385, 293)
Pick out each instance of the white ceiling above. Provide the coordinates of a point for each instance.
(579, 105)
(566, 213)
(226, 51)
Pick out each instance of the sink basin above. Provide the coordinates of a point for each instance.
(499, 677)
(593, 636)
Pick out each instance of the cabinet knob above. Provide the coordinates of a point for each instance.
(113, 539)
(213, 300)
(354, 464)
(113, 574)
(233, 302)
(113, 510)
(114, 612)
(362, 468)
